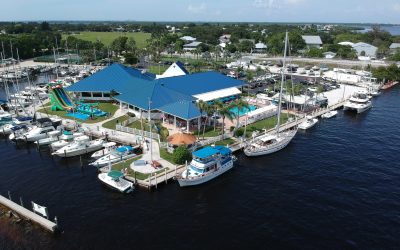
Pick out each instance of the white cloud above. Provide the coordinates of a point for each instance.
(396, 7)
(199, 8)
(268, 4)
(294, 1)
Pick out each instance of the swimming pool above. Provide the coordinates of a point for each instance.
(243, 111)
(79, 116)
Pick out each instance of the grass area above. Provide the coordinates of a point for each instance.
(227, 141)
(158, 70)
(132, 173)
(264, 124)
(137, 125)
(108, 37)
(111, 124)
(106, 107)
(209, 132)
(166, 156)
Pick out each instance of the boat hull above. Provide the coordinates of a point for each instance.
(124, 187)
(274, 148)
(184, 182)
(78, 152)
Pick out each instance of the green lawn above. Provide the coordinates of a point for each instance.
(166, 156)
(264, 124)
(106, 107)
(158, 70)
(131, 173)
(225, 142)
(209, 132)
(137, 125)
(108, 37)
(111, 124)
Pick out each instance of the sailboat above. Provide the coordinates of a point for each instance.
(269, 143)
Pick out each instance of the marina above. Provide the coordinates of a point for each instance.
(161, 136)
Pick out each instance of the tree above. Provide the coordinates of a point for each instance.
(226, 112)
(314, 52)
(130, 58)
(239, 105)
(119, 44)
(181, 155)
(249, 76)
(202, 106)
(131, 45)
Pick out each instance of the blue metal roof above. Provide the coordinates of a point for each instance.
(173, 95)
(200, 83)
(210, 151)
(182, 67)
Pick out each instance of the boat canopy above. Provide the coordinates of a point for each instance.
(124, 149)
(210, 151)
(115, 175)
(268, 138)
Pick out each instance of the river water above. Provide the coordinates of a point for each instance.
(334, 187)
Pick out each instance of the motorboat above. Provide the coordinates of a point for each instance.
(53, 136)
(15, 122)
(5, 117)
(65, 139)
(269, 143)
(80, 146)
(36, 134)
(115, 179)
(359, 102)
(108, 148)
(308, 123)
(207, 164)
(119, 154)
(329, 114)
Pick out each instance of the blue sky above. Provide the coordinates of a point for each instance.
(359, 11)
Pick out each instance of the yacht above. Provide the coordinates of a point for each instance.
(269, 143)
(65, 139)
(359, 102)
(53, 136)
(308, 123)
(119, 154)
(16, 122)
(207, 164)
(80, 146)
(115, 179)
(41, 130)
(329, 114)
(18, 131)
(5, 117)
(108, 148)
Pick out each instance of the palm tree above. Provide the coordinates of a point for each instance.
(201, 105)
(226, 112)
(217, 106)
(239, 105)
(209, 111)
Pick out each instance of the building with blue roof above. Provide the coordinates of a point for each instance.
(172, 98)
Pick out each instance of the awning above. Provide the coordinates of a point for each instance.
(270, 108)
(218, 94)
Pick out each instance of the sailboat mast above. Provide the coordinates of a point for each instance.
(278, 123)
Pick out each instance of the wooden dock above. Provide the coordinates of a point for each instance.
(23, 212)
(291, 124)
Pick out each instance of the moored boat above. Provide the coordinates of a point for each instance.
(80, 146)
(207, 164)
(329, 114)
(115, 179)
(119, 154)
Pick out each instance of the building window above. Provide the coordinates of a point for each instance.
(97, 94)
(106, 94)
(86, 94)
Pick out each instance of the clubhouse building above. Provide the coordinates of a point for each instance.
(171, 97)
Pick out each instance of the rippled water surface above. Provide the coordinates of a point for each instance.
(334, 187)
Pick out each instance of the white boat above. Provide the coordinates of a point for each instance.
(276, 140)
(207, 164)
(308, 123)
(80, 146)
(65, 139)
(36, 133)
(119, 154)
(108, 148)
(329, 114)
(53, 136)
(15, 123)
(5, 117)
(115, 179)
(269, 143)
(359, 102)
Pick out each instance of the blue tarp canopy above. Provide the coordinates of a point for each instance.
(210, 151)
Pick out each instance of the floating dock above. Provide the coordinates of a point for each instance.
(23, 212)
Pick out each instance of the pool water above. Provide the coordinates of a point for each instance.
(79, 116)
(243, 111)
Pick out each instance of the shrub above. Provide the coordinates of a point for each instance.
(231, 128)
(181, 155)
(164, 133)
(239, 133)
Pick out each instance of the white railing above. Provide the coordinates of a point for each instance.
(139, 132)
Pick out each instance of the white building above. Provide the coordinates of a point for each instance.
(312, 41)
(260, 48)
(394, 47)
(176, 69)
(188, 39)
(368, 49)
(191, 46)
